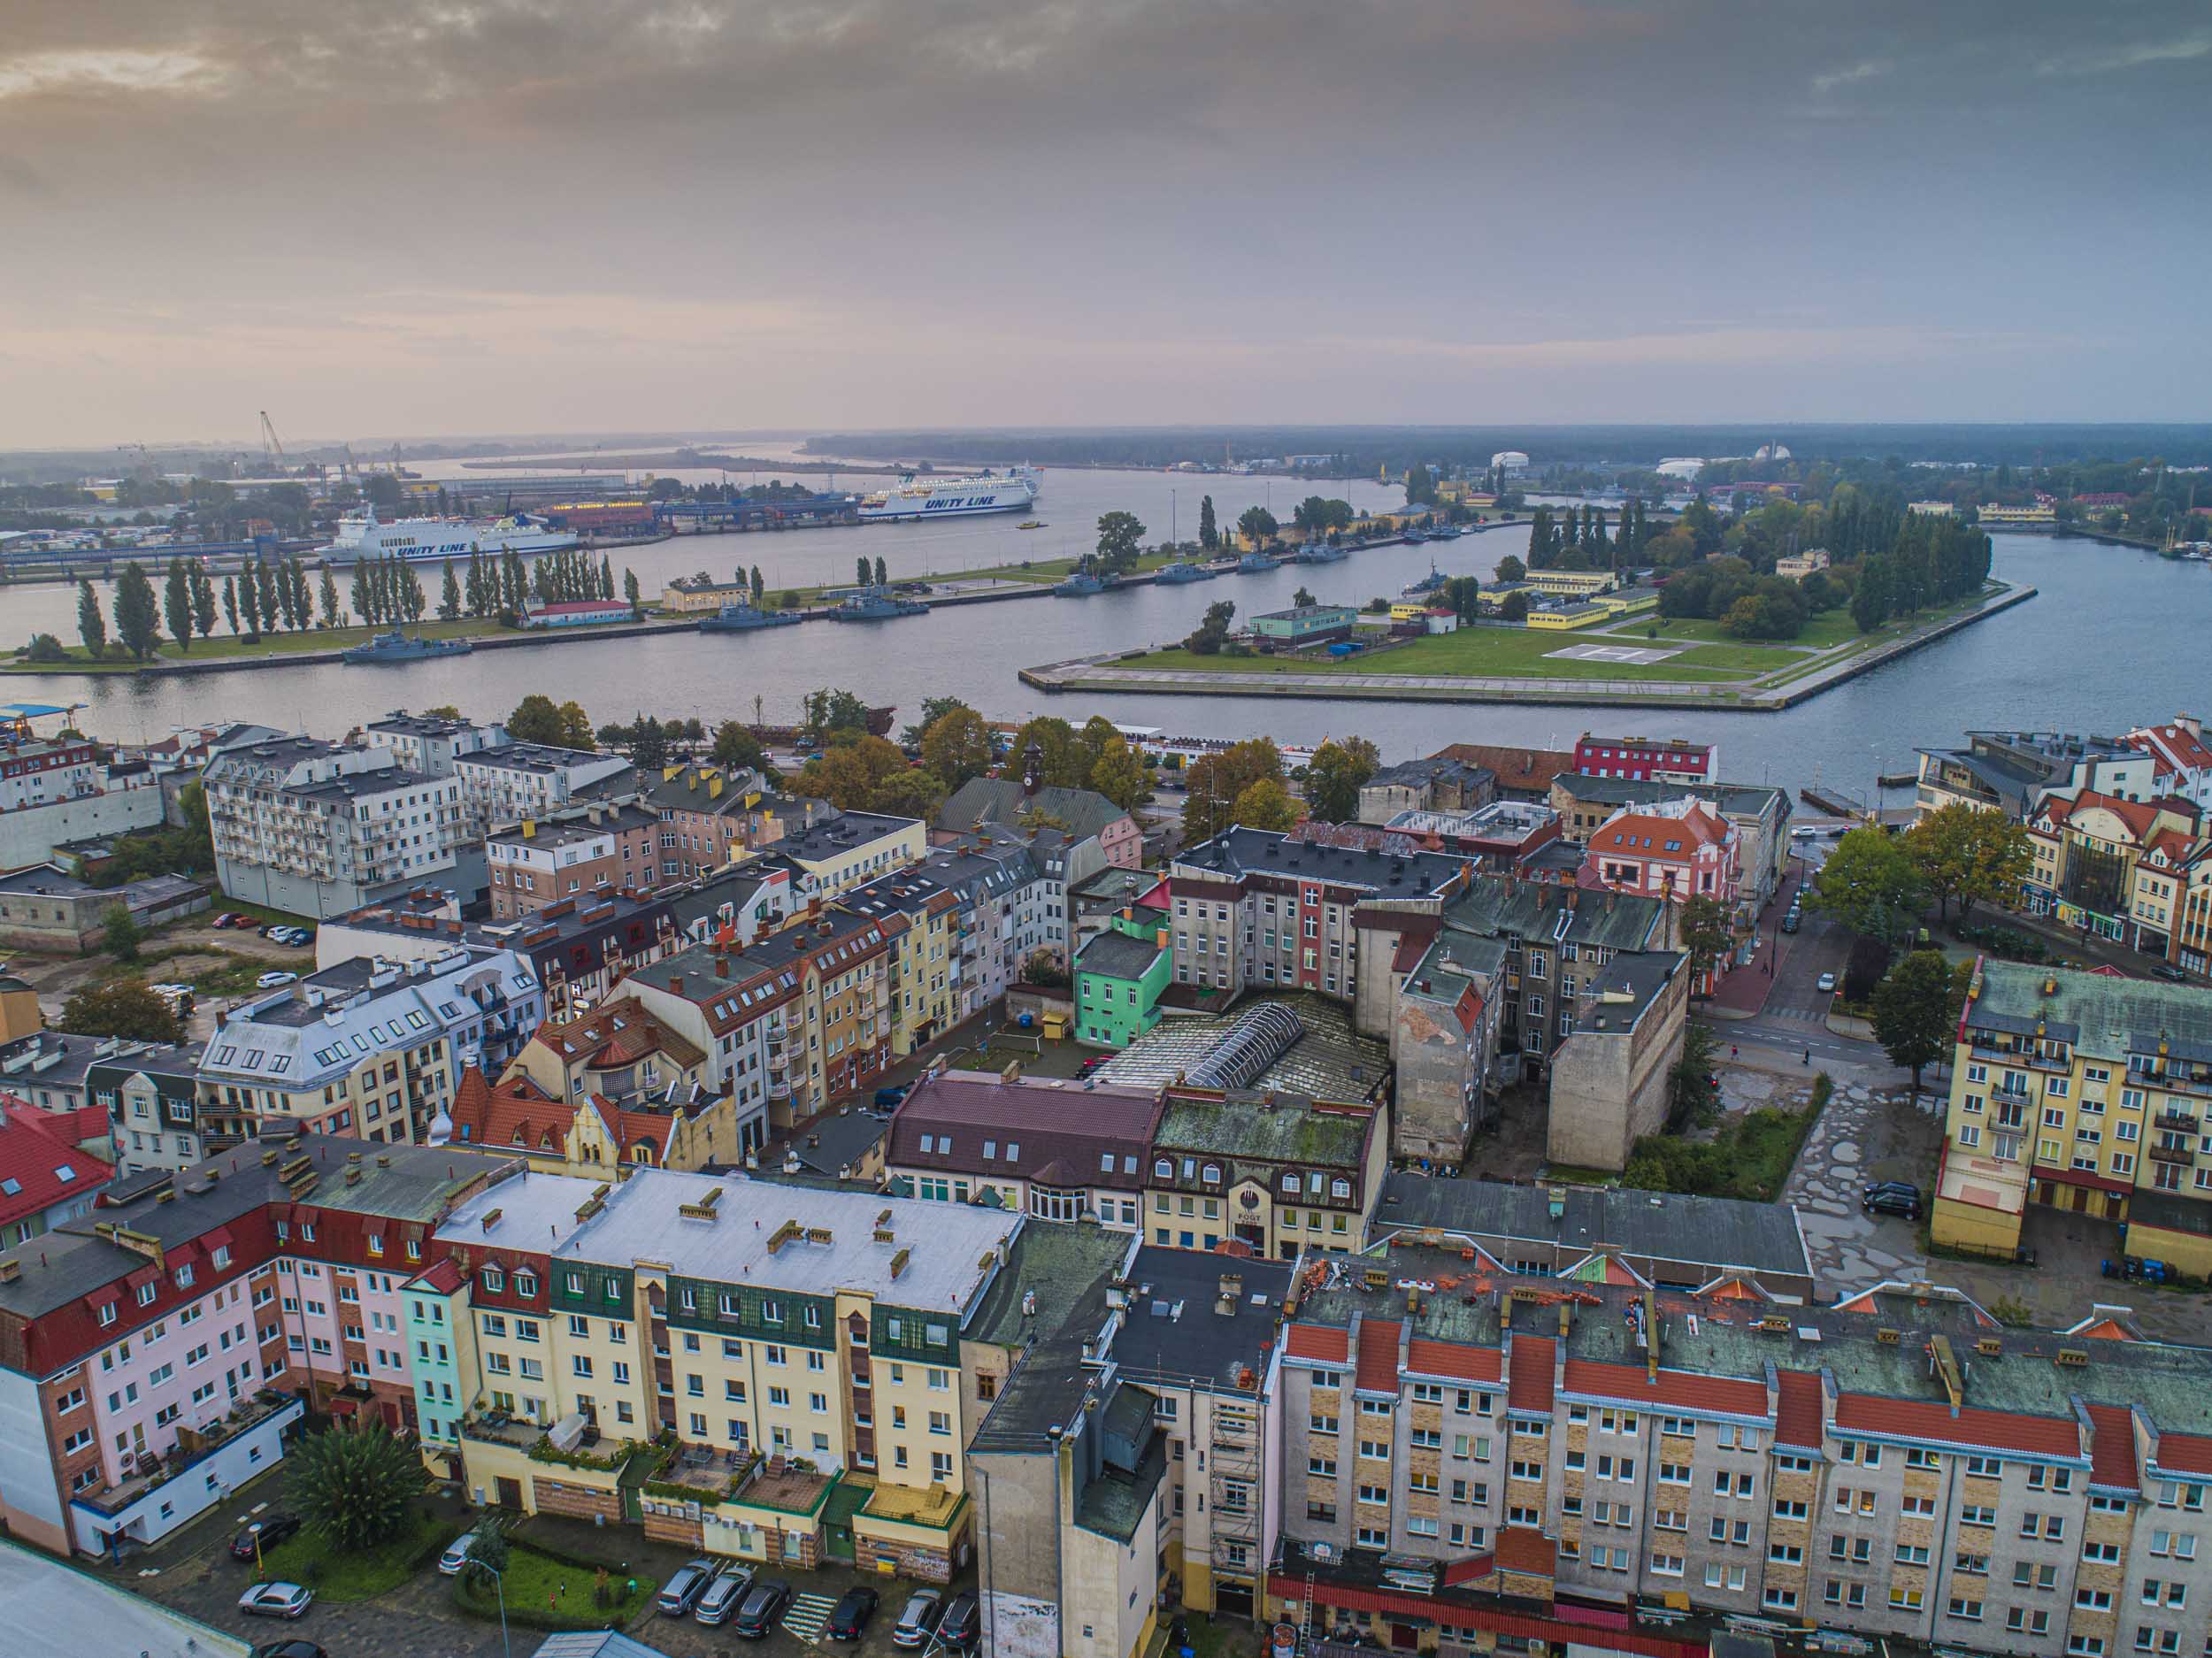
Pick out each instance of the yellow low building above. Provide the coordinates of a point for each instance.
(1628, 601)
(1566, 617)
(2083, 1093)
(1570, 584)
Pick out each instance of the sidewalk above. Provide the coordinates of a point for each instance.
(1743, 993)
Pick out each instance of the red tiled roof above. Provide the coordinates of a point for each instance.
(442, 1275)
(2184, 1453)
(1521, 1549)
(1378, 1371)
(1448, 1358)
(1566, 1623)
(1529, 1388)
(1685, 1390)
(2112, 1447)
(34, 1152)
(1311, 1341)
(2175, 744)
(1924, 1419)
(1516, 768)
(1797, 1409)
(516, 1112)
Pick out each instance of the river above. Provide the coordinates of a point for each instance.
(2117, 638)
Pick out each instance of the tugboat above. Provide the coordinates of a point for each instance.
(741, 618)
(1180, 571)
(1030, 524)
(396, 647)
(1318, 552)
(1255, 563)
(873, 604)
(1429, 583)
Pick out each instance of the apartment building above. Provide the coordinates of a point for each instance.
(1275, 1175)
(2010, 771)
(1676, 849)
(2181, 760)
(827, 855)
(318, 828)
(154, 1351)
(1252, 907)
(1759, 815)
(711, 817)
(737, 1014)
(801, 1346)
(2110, 866)
(150, 1094)
(367, 1048)
(583, 855)
(513, 782)
(1057, 1149)
(1437, 783)
(593, 1137)
(46, 1177)
(1083, 813)
(922, 919)
(1647, 759)
(2085, 1093)
(433, 744)
(1897, 1467)
(1610, 1077)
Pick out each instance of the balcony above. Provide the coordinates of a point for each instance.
(2169, 1153)
(2179, 1122)
(194, 1447)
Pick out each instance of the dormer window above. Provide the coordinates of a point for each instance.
(1212, 1174)
(494, 1281)
(1163, 1170)
(525, 1285)
(1290, 1184)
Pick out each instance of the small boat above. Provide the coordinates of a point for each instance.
(1082, 584)
(1177, 573)
(741, 618)
(396, 647)
(1318, 552)
(1253, 563)
(1031, 524)
(873, 604)
(1429, 583)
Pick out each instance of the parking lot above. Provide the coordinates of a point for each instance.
(192, 1570)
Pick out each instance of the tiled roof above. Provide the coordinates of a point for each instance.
(1378, 1371)
(442, 1275)
(1529, 1388)
(1521, 769)
(2112, 1447)
(1990, 1429)
(1305, 1341)
(1027, 1124)
(2184, 1453)
(1449, 1358)
(1522, 1549)
(39, 1168)
(516, 1112)
(620, 1034)
(1797, 1413)
(1682, 1389)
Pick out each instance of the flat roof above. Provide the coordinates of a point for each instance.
(934, 1263)
(1180, 1327)
(38, 1592)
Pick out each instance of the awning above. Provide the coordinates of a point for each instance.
(1582, 1626)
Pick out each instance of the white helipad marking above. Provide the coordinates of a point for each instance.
(1632, 656)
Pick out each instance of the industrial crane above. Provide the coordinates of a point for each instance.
(270, 447)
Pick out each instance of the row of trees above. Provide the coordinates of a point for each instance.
(1933, 562)
(1880, 884)
(1571, 538)
(1750, 606)
(865, 574)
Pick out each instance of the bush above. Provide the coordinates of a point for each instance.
(2008, 942)
(1866, 967)
(45, 647)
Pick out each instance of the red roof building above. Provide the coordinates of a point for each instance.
(46, 1176)
(1675, 761)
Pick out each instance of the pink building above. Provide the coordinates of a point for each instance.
(1677, 760)
(1672, 849)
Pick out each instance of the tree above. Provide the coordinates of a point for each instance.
(1208, 637)
(957, 747)
(333, 611)
(121, 934)
(631, 596)
(909, 792)
(829, 710)
(1705, 931)
(760, 586)
(488, 1550)
(1119, 775)
(125, 1007)
(606, 579)
(1973, 854)
(1335, 775)
(1303, 597)
(355, 1486)
(1420, 485)
(1091, 743)
(1511, 568)
(1912, 1014)
(1265, 804)
(92, 627)
(1257, 526)
(861, 569)
(736, 747)
(230, 600)
(536, 718)
(883, 575)
(1119, 536)
(1218, 781)
(1689, 1093)
(203, 586)
(933, 709)
(1046, 749)
(575, 728)
(450, 599)
(1209, 531)
(849, 774)
(136, 624)
(1870, 884)
(1515, 607)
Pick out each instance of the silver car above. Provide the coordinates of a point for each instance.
(720, 1602)
(276, 1599)
(684, 1585)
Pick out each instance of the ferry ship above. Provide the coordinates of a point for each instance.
(417, 540)
(912, 499)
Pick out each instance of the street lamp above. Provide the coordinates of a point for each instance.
(499, 1587)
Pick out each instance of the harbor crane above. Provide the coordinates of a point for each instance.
(270, 447)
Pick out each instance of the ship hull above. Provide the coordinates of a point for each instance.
(957, 498)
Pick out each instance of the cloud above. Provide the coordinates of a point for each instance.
(93, 70)
(2108, 59)
(1871, 69)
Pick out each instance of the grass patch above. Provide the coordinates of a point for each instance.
(334, 1576)
(1487, 653)
(1830, 628)
(229, 647)
(548, 1593)
(233, 975)
(1574, 1174)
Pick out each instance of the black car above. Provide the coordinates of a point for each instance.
(2166, 971)
(763, 1608)
(1872, 1186)
(962, 1620)
(288, 1649)
(267, 1532)
(1905, 1203)
(850, 1615)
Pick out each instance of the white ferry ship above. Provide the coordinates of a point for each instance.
(917, 498)
(415, 540)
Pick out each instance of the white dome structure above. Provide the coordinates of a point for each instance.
(1772, 452)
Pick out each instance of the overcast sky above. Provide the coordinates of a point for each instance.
(449, 216)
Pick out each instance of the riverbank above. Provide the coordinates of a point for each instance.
(1695, 678)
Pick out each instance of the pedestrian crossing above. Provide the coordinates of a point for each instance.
(1807, 1015)
(810, 1615)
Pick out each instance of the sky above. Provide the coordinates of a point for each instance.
(439, 217)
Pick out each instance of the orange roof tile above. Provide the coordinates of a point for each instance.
(1524, 1550)
(1684, 1390)
(1378, 1371)
(1311, 1341)
(1449, 1358)
(1925, 1419)
(2112, 1447)
(1529, 1388)
(2184, 1453)
(1797, 1412)
(515, 1112)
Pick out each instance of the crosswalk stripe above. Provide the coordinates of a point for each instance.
(810, 1615)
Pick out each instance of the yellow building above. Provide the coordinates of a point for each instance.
(922, 921)
(812, 1387)
(2108, 865)
(1561, 618)
(2085, 1093)
(1570, 584)
(592, 1136)
(1628, 601)
(2018, 514)
(850, 848)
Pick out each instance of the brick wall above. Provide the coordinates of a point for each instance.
(577, 1502)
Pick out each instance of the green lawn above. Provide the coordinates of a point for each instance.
(1830, 628)
(336, 1576)
(551, 1594)
(225, 647)
(1479, 652)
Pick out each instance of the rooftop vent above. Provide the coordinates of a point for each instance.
(2073, 1355)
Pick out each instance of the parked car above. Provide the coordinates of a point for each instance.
(888, 1099)
(763, 1607)
(724, 1595)
(918, 1621)
(265, 1533)
(276, 1599)
(1872, 1186)
(288, 1649)
(684, 1585)
(1803, 831)
(1827, 981)
(849, 1616)
(1893, 1203)
(1791, 922)
(274, 981)
(2166, 970)
(963, 1621)
(456, 1553)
